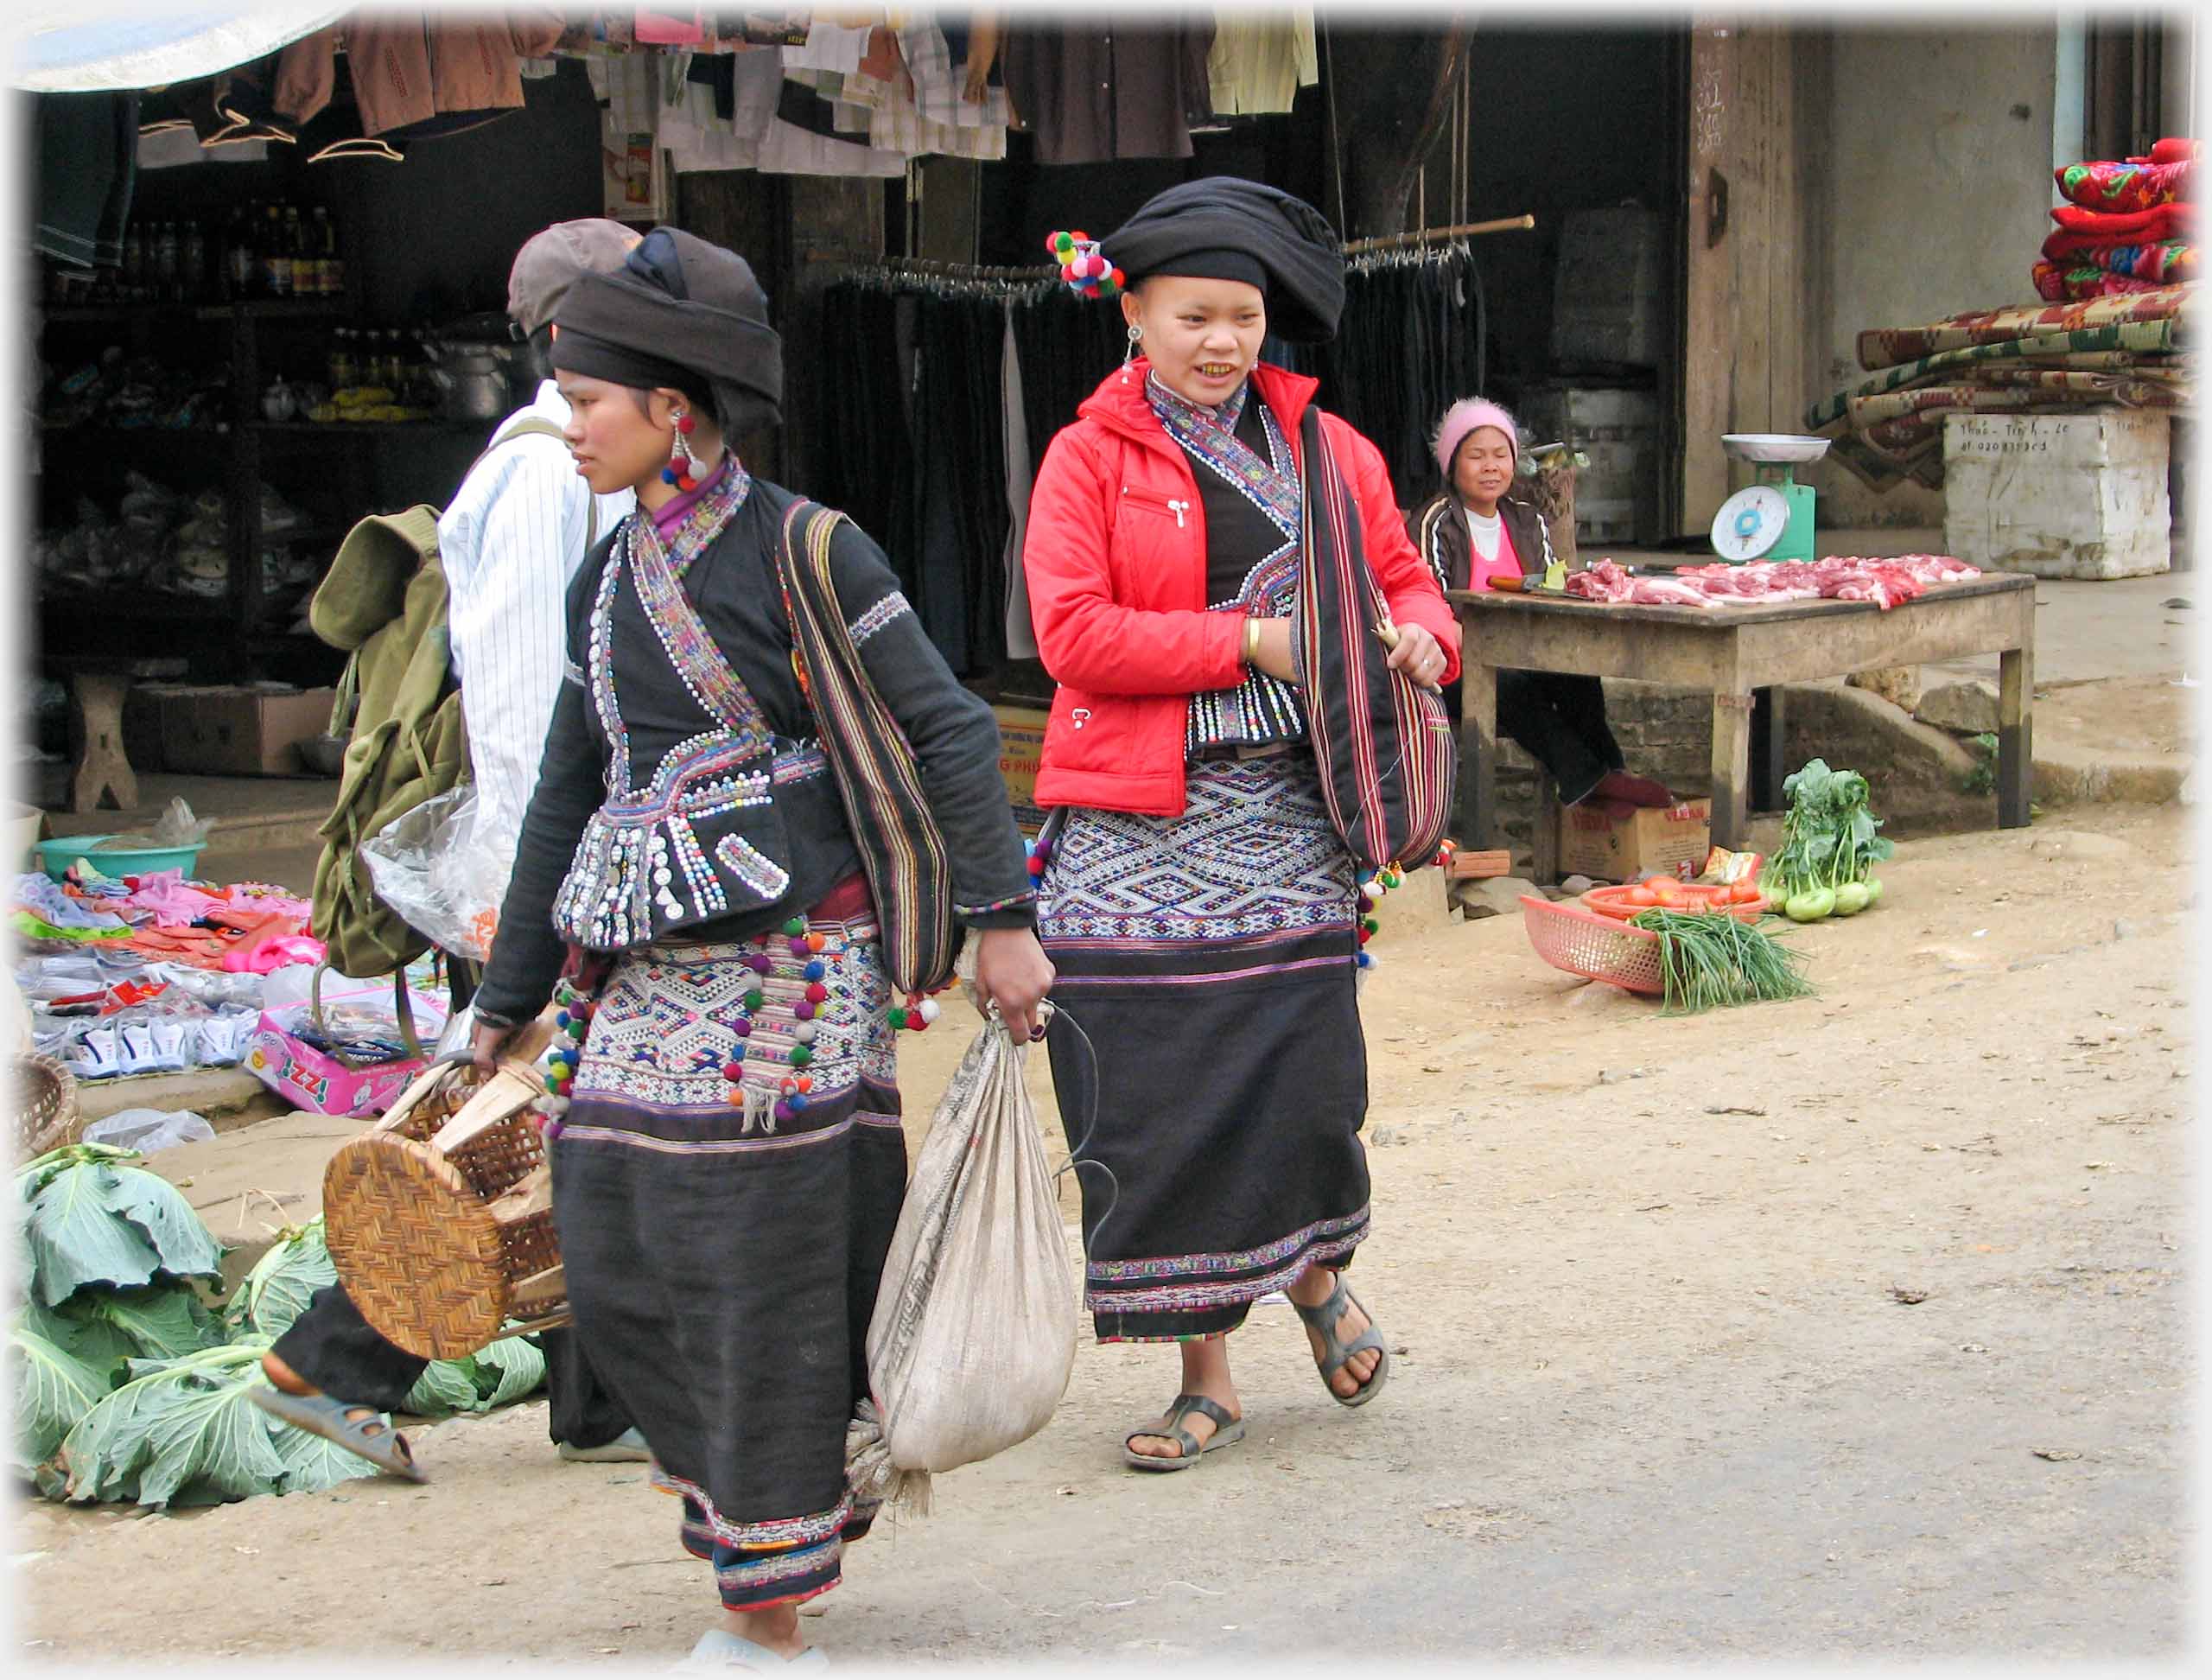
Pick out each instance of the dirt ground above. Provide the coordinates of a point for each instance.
(1655, 1394)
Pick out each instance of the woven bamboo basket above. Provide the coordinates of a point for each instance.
(440, 1217)
(42, 1101)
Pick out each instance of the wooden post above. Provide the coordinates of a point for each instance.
(1543, 844)
(2015, 757)
(1477, 818)
(1732, 764)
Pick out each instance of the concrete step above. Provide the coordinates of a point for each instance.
(249, 813)
(246, 1185)
(228, 1098)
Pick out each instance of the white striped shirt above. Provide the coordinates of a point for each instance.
(511, 540)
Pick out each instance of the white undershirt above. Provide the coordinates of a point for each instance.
(1485, 531)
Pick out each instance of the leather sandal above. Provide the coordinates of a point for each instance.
(371, 1437)
(1325, 1318)
(1227, 1432)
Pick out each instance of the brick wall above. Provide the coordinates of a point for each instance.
(1664, 732)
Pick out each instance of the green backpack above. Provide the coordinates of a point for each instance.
(383, 603)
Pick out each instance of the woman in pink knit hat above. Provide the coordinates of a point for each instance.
(1477, 528)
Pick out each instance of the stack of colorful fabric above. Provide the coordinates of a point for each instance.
(2033, 359)
(2125, 227)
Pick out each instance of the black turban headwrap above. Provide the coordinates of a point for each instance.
(1224, 228)
(680, 313)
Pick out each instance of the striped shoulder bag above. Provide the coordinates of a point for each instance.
(902, 849)
(1384, 744)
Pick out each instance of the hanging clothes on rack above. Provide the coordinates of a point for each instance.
(912, 417)
(1261, 59)
(1411, 343)
(1092, 91)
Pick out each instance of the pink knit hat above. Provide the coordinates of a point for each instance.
(1466, 416)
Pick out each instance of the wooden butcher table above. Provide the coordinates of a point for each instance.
(1733, 652)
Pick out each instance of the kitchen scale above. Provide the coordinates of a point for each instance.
(1773, 519)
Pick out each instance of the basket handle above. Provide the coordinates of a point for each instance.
(403, 1011)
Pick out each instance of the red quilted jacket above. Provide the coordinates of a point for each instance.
(1116, 557)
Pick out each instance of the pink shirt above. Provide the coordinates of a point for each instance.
(1504, 563)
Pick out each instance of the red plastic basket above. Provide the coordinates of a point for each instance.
(1596, 947)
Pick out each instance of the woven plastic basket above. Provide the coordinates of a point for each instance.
(1596, 947)
(1612, 902)
(42, 1101)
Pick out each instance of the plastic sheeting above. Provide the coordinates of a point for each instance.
(62, 50)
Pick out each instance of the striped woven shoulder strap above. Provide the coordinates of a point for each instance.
(902, 849)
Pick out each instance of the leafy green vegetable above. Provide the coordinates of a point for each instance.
(277, 1291)
(496, 1375)
(52, 1391)
(1982, 778)
(83, 1334)
(446, 1385)
(1812, 905)
(519, 1366)
(1708, 961)
(1829, 837)
(89, 1219)
(159, 1320)
(185, 1431)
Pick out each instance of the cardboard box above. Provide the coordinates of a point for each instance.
(142, 723)
(1022, 754)
(238, 731)
(1675, 841)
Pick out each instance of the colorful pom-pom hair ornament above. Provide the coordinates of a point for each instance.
(1084, 268)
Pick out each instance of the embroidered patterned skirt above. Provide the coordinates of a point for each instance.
(1210, 959)
(723, 1258)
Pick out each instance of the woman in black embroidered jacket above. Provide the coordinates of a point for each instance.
(729, 1167)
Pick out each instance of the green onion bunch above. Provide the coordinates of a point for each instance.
(1710, 961)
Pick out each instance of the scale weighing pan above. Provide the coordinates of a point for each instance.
(1775, 447)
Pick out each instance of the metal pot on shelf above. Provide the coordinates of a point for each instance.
(471, 377)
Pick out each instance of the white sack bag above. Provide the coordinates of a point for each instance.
(974, 1335)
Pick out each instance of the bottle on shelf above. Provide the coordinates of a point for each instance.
(238, 258)
(420, 391)
(342, 366)
(329, 270)
(295, 247)
(168, 270)
(276, 259)
(196, 262)
(134, 261)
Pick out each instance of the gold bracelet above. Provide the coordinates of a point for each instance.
(1251, 642)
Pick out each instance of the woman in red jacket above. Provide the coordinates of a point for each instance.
(1197, 902)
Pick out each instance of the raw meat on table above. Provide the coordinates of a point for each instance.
(1885, 582)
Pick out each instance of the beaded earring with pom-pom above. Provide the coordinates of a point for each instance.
(684, 470)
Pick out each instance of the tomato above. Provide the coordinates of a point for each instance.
(1744, 892)
(1643, 897)
(1667, 895)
